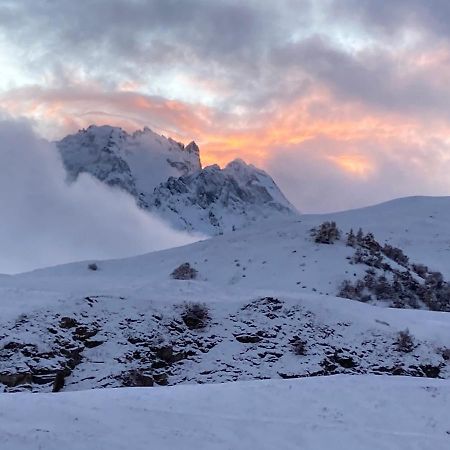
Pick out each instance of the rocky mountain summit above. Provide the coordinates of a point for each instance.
(217, 200)
(135, 163)
(167, 177)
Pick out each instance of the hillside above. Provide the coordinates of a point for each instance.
(267, 291)
(222, 328)
(273, 256)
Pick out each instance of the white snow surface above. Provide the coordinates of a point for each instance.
(272, 257)
(340, 412)
(134, 305)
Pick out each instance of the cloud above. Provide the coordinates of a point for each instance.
(137, 34)
(265, 81)
(404, 81)
(324, 174)
(44, 221)
(392, 17)
(59, 111)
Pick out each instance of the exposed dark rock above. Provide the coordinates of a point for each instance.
(162, 379)
(345, 361)
(92, 343)
(59, 382)
(16, 379)
(83, 333)
(430, 371)
(68, 322)
(248, 338)
(136, 378)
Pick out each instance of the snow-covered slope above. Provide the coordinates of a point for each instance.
(136, 163)
(342, 412)
(269, 257)
(166, 177)
(256, 304)
(265, 288)
(102, 341)
(214, 200)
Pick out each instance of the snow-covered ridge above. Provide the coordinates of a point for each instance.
(167, 177)
(215, 200)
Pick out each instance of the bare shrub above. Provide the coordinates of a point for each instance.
(195, 315)
(298, 346)
(420, 269)
(352, 291)
(405, 342)
(184, 272)
(396, 254)
(446, 354)
(327, 233)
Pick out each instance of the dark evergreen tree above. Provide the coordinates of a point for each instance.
(351, 238)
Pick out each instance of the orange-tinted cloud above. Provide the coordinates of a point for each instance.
(348, 144)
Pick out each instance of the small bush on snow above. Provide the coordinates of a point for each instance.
(195, 315)
(405, 341)
(184, 272)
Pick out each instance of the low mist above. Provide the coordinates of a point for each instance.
(45, 221)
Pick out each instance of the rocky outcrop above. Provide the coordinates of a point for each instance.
(215, 200)
(265, 338)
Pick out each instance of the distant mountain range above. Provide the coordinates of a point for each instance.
(166, 177)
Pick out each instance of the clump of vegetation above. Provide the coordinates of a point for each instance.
(351, 239)
(195, 315)
(408, 286)
(327, 233)
(404, 342)
(298, 346)
(396, 254)
(352, 291)
(184, 272)
(93, 266)
(446, 354)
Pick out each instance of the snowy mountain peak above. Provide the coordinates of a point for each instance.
(215, 200)
(192, 147)
(136, 162)
(167, 177)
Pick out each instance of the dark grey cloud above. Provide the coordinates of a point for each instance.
(392, 17)
(374, 77)
(109, 40)
(261, 53)
(139, 31)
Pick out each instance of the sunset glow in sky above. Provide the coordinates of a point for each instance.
(344, 102)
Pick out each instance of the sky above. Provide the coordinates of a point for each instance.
(344, 102)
